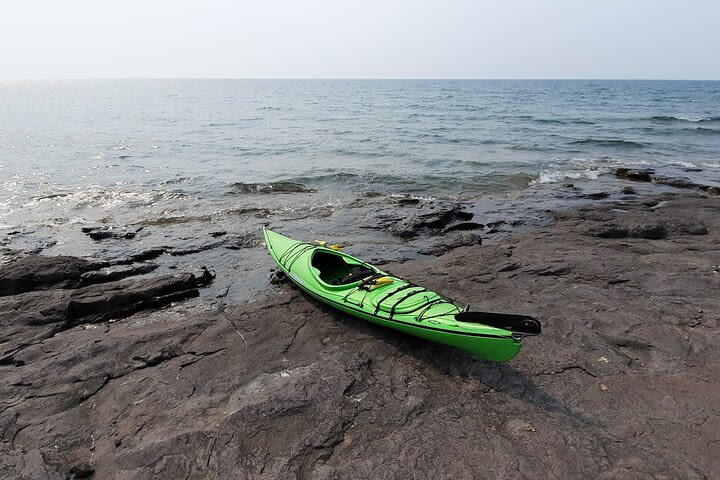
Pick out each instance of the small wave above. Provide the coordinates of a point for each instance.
(670, 118)
(610, 142)
(357, 153)
(703, 130)
(337, 177)
(174, 181)
(254, 151)
(550, 121)
(273, 187)
(436, 138)
(530, 148)
(557, 176)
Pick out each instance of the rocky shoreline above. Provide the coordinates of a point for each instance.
(101, 381)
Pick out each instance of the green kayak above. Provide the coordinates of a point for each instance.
(364, 291)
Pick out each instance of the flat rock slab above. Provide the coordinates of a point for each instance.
(35, 272)
(623, 383)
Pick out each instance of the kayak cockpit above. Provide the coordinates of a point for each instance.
(337, 269)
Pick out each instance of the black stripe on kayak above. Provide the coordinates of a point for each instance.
(297, 252)
(404, 287)
(300, 253)
(430, 304)
(392, 310)
(424, 327)
(288, 252)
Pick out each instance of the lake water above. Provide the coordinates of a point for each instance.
(162, 153)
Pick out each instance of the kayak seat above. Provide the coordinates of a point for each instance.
(334, 270)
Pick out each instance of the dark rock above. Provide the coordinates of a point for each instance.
(596, 195)
(117, 272)
(40, 272)
(494, 227)
(204, 277)
(636, 174)
(449, 242)
(143, 256)
(429, 223)
(248, 240)
(218, 234)
(404, 201)
(550, 270)
(651, 232)
(278, 277)
(463, 226)
(105, 232)
(148, 254)
(194, 248)
(510, 267)
(648, 175)
(32, 316)
(676, 182)
(82, 470)
(428, 219)
(697, 229)
(628, 191)
(712, 190)
(610, 231)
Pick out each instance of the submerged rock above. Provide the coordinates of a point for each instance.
(637, 174)
(648, 175)
(105, 232)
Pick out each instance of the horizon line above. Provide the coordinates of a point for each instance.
(613, 79)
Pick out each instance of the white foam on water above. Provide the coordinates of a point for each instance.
(557, 176)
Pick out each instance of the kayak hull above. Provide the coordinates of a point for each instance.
(401, 305)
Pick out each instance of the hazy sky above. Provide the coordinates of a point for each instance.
(360, 39)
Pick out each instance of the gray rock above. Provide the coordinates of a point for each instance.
(636, 174)
(427, 219)
(40, 272)
(116, 272)
(283, 387)
(105, 232)
(449, 242)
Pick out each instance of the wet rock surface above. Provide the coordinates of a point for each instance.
(649, 175)
(426, 218)
(444, 244)
(623, 383)
(105, 232)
